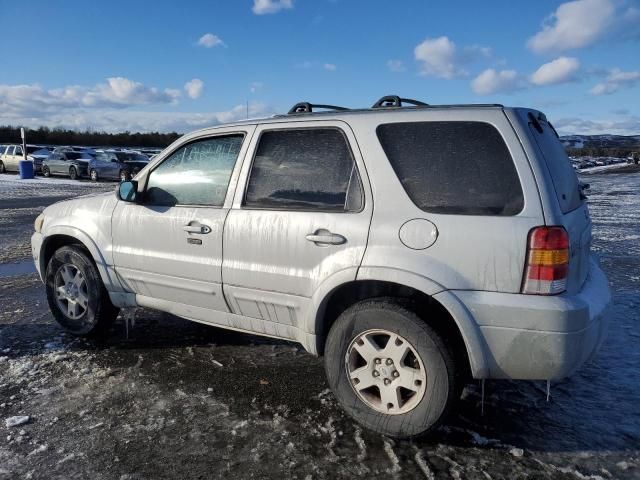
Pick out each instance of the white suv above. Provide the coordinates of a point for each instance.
(416, 248)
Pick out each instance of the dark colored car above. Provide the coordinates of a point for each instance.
(63, 161)
(116, 165)
(38, 154)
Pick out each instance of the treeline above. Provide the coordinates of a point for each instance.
(619, 152)
(60, 136)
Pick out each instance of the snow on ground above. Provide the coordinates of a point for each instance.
(603, 168)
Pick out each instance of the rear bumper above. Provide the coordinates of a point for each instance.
(537, 337)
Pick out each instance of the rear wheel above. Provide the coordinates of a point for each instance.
(45, 171)
(389, 370)
(73, 173)
(94, 175)
(124, 175)
(76, 295)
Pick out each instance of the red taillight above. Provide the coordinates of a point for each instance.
(547, 266)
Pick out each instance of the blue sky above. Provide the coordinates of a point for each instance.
(184, 65)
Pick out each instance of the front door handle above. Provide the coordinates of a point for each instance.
(197, 228)
(325, 237)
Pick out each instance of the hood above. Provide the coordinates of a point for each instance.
(86, 207)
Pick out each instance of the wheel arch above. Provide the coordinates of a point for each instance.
(60, 236)
(441, 309)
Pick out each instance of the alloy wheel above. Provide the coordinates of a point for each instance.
(385, 371)
(71, 291)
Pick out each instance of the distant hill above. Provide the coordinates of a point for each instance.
(601, 141)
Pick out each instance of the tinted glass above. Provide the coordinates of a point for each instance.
(563, 176)
(196, 174)
(453, 167)
(73, 155)
(304, 169)
(18, 151)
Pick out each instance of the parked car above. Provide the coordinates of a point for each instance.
(9, 160)
(64, 161)
(38, 154)
(115, 165)
(474, 264)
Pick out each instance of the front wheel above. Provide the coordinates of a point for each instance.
(45, 171)
(2, 168)
(76, 295)
(389, 370)
(124, 176)
(94, 175)
(73, 173)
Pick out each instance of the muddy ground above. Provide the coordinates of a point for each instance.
(175, 399)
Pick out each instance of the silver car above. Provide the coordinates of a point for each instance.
(416, 247)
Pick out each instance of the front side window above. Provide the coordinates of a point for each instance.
(195, 174)
(304, 169)
(451, 167)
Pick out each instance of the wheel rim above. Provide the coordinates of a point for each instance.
(123, 177)
(94, 175)
(71, 291)
(72, 173)
(385, 371)
(45, 171)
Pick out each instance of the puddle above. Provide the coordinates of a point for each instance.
(16, 269)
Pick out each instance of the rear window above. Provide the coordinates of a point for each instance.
(564, 178)
(459, 168)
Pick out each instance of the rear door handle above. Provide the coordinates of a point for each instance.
(197, 228)
(324, 237)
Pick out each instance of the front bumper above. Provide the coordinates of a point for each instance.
(530, 337)
(36, 247)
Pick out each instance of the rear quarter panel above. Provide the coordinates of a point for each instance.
(471, 252)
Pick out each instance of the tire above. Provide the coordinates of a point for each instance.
(46, 172)
(94, 175)
(124, 175)
(73, 173)
(426, 367)
(2, 168)
(83, 309)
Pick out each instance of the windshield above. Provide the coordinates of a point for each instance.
(73, 155)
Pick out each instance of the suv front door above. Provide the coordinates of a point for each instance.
(299, 222)
(168, 249)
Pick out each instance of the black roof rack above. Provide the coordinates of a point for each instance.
(306, 107)
(391, 101)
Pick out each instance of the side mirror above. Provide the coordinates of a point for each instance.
(128, 191)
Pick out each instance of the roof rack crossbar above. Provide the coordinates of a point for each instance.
(390, 101)
(306, 107)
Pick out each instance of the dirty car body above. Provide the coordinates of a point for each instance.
(375, 237)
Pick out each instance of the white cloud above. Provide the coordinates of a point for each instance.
(118, 120)
(329, 66)
(578, 24)
(118, 92)
(627, 126)
(439, 57)
(396, 65)
(560, 70)
(209, 40)
(616, 80)
(194, 88)
(492, 81)
(263, 7)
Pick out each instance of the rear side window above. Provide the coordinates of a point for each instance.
(304, 169)
(564, 178)
(196, 174)
(459, 168)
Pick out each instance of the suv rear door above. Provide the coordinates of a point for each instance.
(300, 218)
(573, 210)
